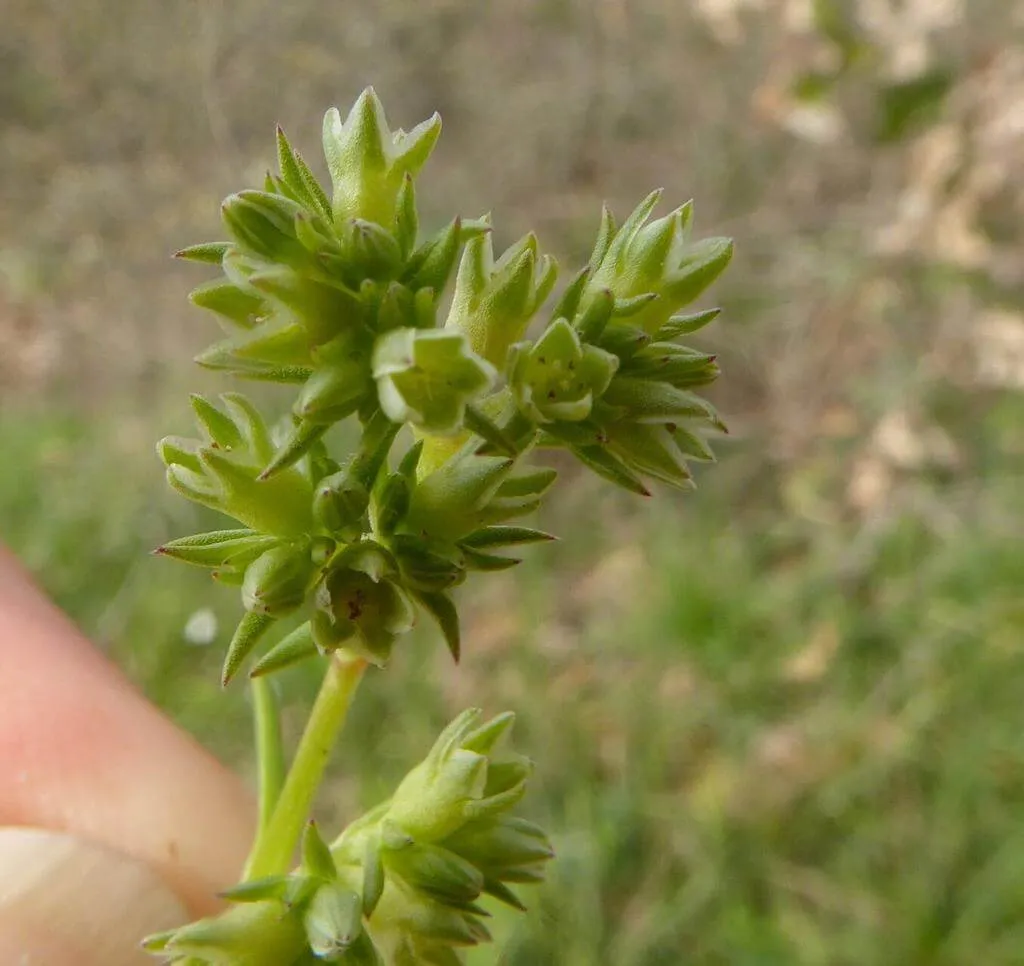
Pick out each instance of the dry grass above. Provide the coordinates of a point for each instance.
(125, 122)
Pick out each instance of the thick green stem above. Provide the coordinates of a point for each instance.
(275, 844)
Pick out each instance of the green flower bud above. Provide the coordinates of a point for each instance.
(389, 503)
(341, 382)
(699, 267)
(368, 163)
(315, 233)
(427, 565)
(624, 341)
(450, 502)
(372, 250)
(277, 582)
(506, 848)
(406, 923)
(592, 323)
(675, 364)
(400, 308)
(245, 934)
(431, 265)
(323, 309)
(363, 612)
(470, 491)
(651, 451)
(333, 920)
(640, 260)
(608, 465)
(430, 803)
(450, 786)
(436, 872)
(495, 300)
(340, 504)
(647, 401)
(558, 378)
(263, 225)
(426, 377)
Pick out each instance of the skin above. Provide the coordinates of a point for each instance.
(129, 813)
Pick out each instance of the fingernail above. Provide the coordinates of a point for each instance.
(65, 900)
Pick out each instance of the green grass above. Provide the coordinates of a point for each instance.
(771, 736)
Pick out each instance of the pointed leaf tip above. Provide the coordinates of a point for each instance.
(442, 608)
(250, 628)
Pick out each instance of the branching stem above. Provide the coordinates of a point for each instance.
(269, 749)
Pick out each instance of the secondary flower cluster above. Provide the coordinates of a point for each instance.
(401, 885)
(339, 297)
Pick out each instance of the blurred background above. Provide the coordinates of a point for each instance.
(776, 721)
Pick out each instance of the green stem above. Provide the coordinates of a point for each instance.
(269, 748)
(275, 843)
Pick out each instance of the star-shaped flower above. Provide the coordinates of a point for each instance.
(426, 377)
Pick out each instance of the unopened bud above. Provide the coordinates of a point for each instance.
(495, 300)
(276, 583)
(435, 871)
(332, 920)
(368, 163)
(264, 225)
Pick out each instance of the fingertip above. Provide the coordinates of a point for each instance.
(82, 751)
(66, 900)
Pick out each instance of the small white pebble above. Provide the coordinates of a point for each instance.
(201, 627)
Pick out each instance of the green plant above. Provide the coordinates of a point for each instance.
(338, 297)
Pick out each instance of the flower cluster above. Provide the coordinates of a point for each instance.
(402, 883)
(607, 379)
(337, 296)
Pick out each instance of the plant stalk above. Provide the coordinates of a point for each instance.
(275, 843)
(269, 748)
